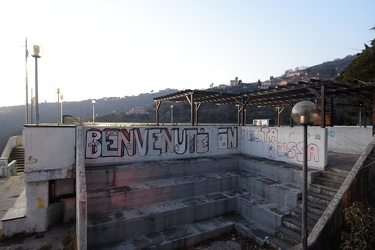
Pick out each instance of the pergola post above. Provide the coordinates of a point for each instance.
(239, 113)
(190, 99)
(278, 115)
(198, 106)
(244, 115)
(322, 106)
(291, 119)
(158, 104)
(332, 120)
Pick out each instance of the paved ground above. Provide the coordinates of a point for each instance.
(10, 189)
(57, 238)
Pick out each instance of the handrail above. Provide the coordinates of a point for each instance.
(13, 141)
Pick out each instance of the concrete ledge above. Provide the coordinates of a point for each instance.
(188, 234)
(49, 174)
(14, 220)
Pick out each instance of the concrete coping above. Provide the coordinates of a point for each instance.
(49, 174)
(18, 210)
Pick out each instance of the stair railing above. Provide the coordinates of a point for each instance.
(8, 169)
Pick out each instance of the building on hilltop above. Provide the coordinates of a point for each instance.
(234, 82)
(138, 110)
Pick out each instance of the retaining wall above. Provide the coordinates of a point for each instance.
(348, 140)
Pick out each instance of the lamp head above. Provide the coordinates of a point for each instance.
(305, 112)
(37, 51)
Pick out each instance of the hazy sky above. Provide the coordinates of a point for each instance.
(108, 48)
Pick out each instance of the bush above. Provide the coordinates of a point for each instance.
(359, 232)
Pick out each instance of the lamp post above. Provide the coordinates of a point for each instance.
(61, 110)
(93, 110)
(58, 105)
(172, 113)
(245, 116)
(31, 108)
(304, 113)
(37, 53)
(27, 85)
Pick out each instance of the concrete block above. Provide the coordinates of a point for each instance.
(159, 217)
(69, 209)
(261, 211)
(141, 172)
(55, 214)
(141, 194)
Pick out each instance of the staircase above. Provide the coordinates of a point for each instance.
(319, 196)
(176, 204)
(18, 153)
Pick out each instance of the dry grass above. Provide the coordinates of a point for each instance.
(245, 242)
(70, 241)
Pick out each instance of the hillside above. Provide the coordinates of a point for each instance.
(116, 109)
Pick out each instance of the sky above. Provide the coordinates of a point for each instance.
(115, 48)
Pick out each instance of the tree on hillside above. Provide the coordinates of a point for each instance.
(362, 71)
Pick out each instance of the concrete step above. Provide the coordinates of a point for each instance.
(296, 224)
(116, 198)
(329, 191)
(336, 175)
(311, 217)
(278, 244)
(108, 228)
(18, 153)
(277, 171)
(261, 211)
(184, 236)
(288, 235)
(329, 182)
(314, 208)
(253, 230)
(318, 198)
(285, 194)
(116, 175)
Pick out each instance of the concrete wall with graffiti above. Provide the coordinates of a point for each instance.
(348, 140)
(53, 148)
(286, 144)
(119, 144)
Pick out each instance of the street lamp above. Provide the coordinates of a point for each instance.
(304, 113)
(37, 53)
(172, 113)
(58, 105)
(27, 85)
(93, 110)
(61, 109)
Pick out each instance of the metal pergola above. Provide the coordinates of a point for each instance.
(280, 96)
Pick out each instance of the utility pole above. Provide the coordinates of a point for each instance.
(27, 85)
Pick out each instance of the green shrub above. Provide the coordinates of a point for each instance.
(359, 231)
